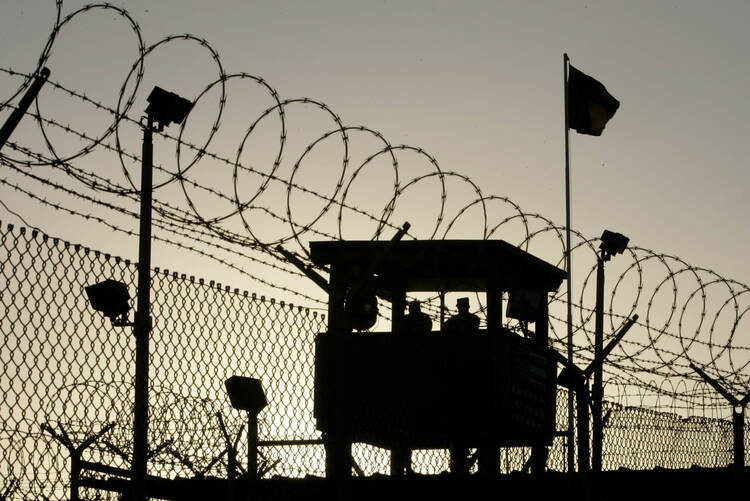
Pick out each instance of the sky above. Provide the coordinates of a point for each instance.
(477, 86)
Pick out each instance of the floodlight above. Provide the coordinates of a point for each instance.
(613, 243)
(166, 107)
(524, 304)
(110, 297)
(570, 379)
(246, 394)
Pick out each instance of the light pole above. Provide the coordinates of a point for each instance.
(111, 297)
(611, 244)
(246, 394)
(164, 108)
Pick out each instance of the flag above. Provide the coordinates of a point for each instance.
(590, 106)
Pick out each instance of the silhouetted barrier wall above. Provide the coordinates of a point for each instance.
(67, 372)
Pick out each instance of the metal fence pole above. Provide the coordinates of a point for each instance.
(252, 448)
(738, 416)
(596, 390)
(143, 322)
(738, 427)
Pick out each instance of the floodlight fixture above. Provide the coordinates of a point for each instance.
(524, 305)
(112, 299)
(613, 243)
(246, 394)
(572, 379)
(165, 107)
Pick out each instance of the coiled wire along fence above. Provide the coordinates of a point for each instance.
(66, 369)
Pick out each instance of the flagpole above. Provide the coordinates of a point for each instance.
(571, 405)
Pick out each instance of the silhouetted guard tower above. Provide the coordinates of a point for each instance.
(399, 390)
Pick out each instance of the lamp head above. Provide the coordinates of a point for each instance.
(613, 243)
(524, 304)
(109, 297)
(570, 379)
(246, 394)
(166, 107)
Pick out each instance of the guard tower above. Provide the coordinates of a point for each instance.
(400, 391)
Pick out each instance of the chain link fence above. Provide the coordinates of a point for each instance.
(67, 378)
(66, 367)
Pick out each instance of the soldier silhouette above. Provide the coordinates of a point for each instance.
(417, 321)
(463, 321)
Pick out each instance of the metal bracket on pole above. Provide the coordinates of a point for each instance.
(596, 367)
(611, 345)
(23, 106)
(576, 379)
(315, 276)
(304, 268)
(738, 415)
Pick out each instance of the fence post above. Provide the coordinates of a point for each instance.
(582, 420)
(75, 453)
(738, 416)
(738, 427)
(597, 390)
(252, 447)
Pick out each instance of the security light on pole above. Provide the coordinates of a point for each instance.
(111, 297)
(163, 108)
(611, 244)
(247, 394)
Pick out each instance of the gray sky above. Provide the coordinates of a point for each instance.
(477, 85)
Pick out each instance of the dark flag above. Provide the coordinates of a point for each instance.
(590, 106)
